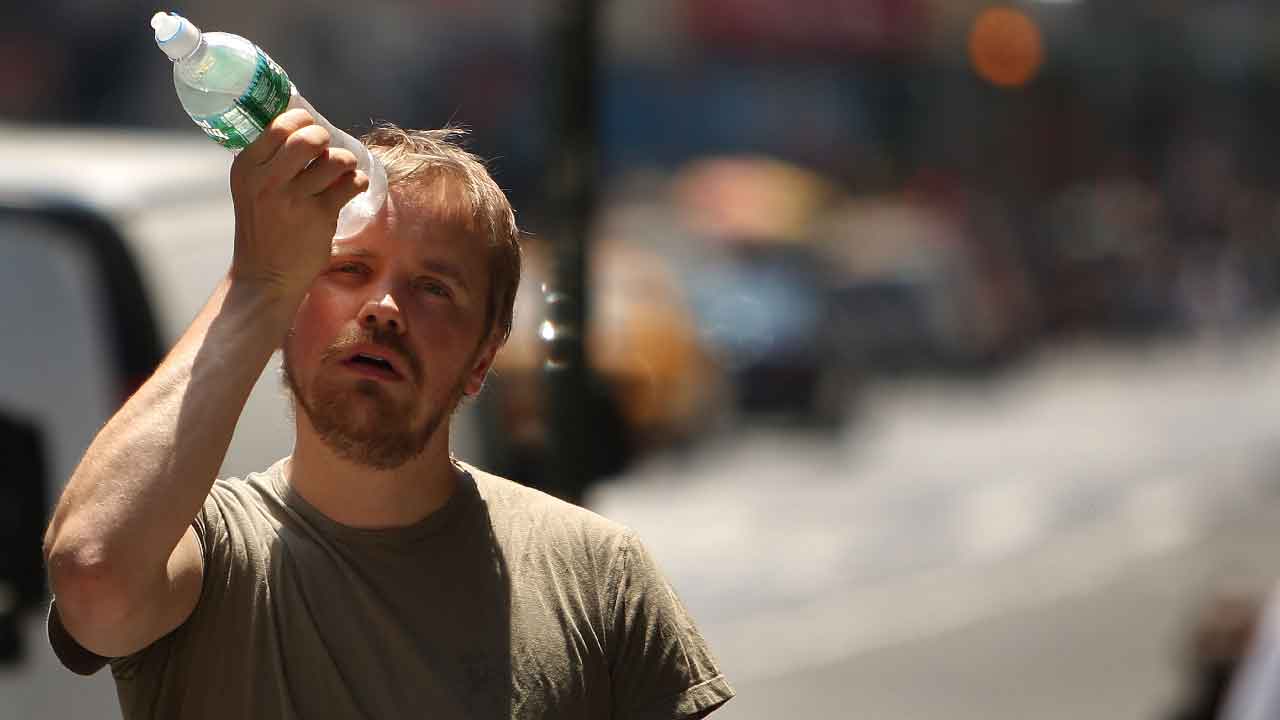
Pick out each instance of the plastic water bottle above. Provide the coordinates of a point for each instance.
(233, 90)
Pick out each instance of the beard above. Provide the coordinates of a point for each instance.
(362, 422)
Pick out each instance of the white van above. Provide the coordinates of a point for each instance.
(110, 242)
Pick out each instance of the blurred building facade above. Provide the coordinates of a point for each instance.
(818, 190)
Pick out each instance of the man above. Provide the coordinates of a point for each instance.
(368, 574)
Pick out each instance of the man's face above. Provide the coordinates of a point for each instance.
(392, 334)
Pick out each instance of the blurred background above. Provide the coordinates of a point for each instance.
(930, 344)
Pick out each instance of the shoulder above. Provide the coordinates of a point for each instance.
(511, 496)
(239, 510)
(259, 490)
(514, 505)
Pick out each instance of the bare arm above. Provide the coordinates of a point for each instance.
(123, 561)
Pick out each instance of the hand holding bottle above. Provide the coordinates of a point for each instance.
(233, 90)
(288, 187)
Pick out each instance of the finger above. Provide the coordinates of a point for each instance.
(328, 166)
(301, 149)
(341, 190)
(273, 137)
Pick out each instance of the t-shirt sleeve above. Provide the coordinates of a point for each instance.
(661, 667)
(82, 661)
(73, 656)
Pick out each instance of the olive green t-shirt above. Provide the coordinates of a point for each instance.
(506, 602)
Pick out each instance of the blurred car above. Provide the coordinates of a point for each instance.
(109, 243)
(1106, 262)
(651, 384)
(137, 226)
(762, 310)
(758, 289)
(910, 290)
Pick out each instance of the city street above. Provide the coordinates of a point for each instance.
(1032, 545)
(1112, 650)
(1006, 273)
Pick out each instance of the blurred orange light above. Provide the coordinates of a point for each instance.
(1005, 47)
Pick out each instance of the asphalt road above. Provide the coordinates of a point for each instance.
(1030, 546)
(1111, 650)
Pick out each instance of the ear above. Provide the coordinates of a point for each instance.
(480, 365)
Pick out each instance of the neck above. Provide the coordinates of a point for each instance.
(363, 497)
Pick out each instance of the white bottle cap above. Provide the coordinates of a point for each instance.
(175, 35)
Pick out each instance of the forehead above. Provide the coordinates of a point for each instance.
(434, 223)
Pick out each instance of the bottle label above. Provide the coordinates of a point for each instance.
(266, 97)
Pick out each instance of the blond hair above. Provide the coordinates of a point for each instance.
(419, 158)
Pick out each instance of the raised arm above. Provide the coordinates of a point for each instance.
(123, 559)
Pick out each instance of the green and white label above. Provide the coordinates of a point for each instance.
(266, 97)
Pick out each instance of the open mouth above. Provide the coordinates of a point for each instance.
(372, 365)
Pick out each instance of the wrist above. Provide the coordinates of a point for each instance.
(268, 303)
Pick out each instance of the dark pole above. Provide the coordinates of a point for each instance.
(571, 191)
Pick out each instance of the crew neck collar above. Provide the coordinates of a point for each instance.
(465, 495)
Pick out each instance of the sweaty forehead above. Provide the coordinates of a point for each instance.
(429, 230)
(416, 221)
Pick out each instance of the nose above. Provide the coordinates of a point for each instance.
(382, 314)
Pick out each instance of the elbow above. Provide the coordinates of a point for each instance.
(90, 592)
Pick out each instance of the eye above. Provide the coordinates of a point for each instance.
(351, 268)
(433, 287)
